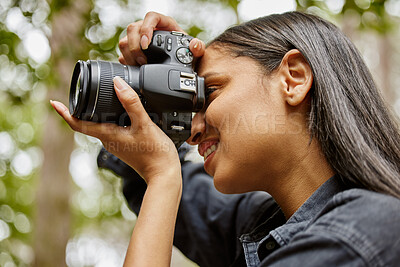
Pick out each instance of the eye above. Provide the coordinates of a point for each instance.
(209, 91)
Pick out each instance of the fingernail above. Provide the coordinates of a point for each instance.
(144, 42)
(119, 83)
(141, 60)
(197, 42)
(57, 106)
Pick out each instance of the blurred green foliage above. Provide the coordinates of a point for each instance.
(20, 156)
(372, 13)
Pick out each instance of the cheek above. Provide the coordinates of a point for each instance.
(237, 117)
(250, 134)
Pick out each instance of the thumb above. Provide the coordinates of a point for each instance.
(131, 102)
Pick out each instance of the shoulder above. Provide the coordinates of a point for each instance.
(366, 222)
(364, 207)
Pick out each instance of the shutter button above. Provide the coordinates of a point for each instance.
(270, 245)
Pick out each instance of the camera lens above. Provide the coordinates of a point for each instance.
(78, 84)
(92, 95)
(77, 90)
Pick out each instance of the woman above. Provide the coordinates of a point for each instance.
(292, 111)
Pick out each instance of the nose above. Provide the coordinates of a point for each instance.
(198, 128)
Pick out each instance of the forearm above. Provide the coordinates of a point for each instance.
(152, 237)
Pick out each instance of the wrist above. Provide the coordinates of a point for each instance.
(170, 178)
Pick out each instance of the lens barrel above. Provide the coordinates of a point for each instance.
(92, 95)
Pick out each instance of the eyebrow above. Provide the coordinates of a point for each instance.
(208, 75)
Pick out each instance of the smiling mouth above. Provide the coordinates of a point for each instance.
(210, 150)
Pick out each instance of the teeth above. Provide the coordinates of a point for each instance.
(209, 151)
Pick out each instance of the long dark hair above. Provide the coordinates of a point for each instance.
(358, 135)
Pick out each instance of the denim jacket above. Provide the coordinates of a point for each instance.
(337, 226)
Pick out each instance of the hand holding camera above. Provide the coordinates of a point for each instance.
(169, 91)
(140, 33)
(169, 88)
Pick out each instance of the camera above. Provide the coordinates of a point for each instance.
(168, 87)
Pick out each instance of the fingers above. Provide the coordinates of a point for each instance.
(126, 56)
(197, 47)
(154, 20)
(132, 53)
(99, 130)
(122, 60)
(139, 35)
(131, 103)
(134, 44)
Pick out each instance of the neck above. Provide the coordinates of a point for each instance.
(307, 171)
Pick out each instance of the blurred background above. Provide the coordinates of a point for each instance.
(56, 207)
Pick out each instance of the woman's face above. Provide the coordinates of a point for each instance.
(244, 131)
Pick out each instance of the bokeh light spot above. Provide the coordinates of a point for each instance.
(37, 46)
(4, 230)
(25, 133)
(83, 169)
(22, 223)
(25, 195)
(7, 145)
(7, 213)
(22, 165)
(393, 7)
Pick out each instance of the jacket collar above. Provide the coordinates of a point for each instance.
(309, 210)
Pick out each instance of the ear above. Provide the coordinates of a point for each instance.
(297, 76)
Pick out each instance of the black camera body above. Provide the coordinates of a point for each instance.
(169, 88)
